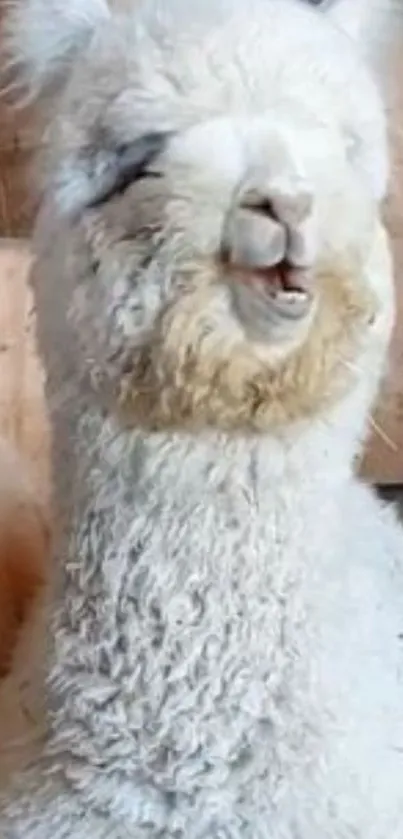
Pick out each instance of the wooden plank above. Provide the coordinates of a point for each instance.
(20, 139)
(23, 419)
(384, 458)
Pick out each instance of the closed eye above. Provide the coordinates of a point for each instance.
(130, 163)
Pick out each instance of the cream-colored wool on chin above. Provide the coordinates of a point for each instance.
(214, 289)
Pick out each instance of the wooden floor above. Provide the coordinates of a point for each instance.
(23, 418)
(385, 456)
(20, 137)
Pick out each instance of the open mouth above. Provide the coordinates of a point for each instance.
(272, 300)
(285, 289)
(284, 278)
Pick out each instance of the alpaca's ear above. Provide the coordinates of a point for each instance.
(41, 38)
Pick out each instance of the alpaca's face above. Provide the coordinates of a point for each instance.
(232, 206)
(250, 211)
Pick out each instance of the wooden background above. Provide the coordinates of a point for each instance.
(384, 460)
(22, 412)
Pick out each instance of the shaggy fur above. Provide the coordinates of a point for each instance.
(224, 654)
(372, 23)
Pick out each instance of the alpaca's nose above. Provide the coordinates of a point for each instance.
(254, 238)
(273, 224)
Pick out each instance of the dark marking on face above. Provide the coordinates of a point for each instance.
(130, 164)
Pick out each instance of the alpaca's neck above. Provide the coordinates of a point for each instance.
(185, 464)
(225, 502)
(142, 479)
(316, 456)
(211, 505)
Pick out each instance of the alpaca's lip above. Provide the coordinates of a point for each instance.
(283, 277)
(287, 293)
(279, 280)
(283, 292)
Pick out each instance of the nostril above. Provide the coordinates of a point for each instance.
(256, 203)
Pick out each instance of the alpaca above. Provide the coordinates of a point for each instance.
(223, 656)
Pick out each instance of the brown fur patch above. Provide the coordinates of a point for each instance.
(190, 376)
(24, 547)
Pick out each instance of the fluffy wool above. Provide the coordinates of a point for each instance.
(372, 24)
(223, 657)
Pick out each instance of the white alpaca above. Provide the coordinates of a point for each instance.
(215, 301)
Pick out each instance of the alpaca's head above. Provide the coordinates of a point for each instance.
(223, 171)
